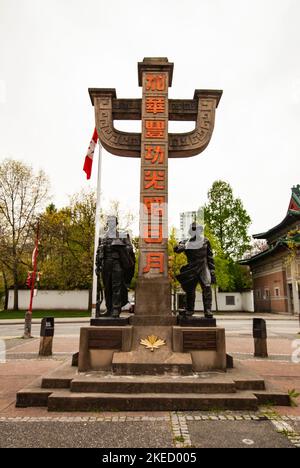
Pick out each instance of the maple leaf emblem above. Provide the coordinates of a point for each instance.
(152, 342)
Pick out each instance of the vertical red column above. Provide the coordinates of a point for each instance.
(153, 296)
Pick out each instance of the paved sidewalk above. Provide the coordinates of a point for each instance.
(23, 364)
(271, 427)
(165, 430)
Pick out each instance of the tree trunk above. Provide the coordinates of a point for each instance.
(216, 299)
(90, 300)
(173, 306)
(16, 297)
(6, 290)
(16, 289)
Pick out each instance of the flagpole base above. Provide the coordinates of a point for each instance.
(27, 327)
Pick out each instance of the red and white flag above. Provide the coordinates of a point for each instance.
(34, 256)
(88, 162)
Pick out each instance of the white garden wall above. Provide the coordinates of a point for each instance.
(229, 302)
(78, 300)
(56, 300)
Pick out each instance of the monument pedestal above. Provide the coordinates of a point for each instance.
(109, 321)
(117, 373)
(98, 344)
(153, 320)
(196, 321)
(143, 361)
(206, 346)
(180, 350)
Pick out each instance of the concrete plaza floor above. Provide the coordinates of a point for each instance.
(35, 427)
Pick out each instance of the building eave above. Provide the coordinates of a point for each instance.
(291, 217)
(280, 245)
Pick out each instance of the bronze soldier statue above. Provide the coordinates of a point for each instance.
(200, 269)
(115, 262)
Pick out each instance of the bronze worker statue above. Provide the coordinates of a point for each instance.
(115, 262)
(200, 269)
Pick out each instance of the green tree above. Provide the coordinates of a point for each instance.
(223, 277)
(22, 196)
(241, 277)
(67, 244)
(5, 283)
(135, 243)
(66, 251)
(227, 220)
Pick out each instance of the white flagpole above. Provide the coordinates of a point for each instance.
(97, 230)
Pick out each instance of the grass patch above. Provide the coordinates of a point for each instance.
(36, 314)
(293, 394)
(287, 433)
(216, 410)
(179, 439)
(268, 412)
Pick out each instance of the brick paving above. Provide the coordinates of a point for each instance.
(282, 346)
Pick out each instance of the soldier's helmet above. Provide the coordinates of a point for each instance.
(196, 230)
(111, 227)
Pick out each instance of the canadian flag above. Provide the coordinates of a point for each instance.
(88, 162)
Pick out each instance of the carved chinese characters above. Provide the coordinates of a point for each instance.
(154, 167)
(155, 154)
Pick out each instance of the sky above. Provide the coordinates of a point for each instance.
(52, 51)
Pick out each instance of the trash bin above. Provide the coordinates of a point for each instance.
(46, 334)
(259, 328)
(260, 338)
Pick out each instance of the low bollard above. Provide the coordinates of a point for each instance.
(260, 338)
(47, 334)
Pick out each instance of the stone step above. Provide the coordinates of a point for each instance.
(60, 378)
(137, 384)
(250, 383)
(33, 396)
(272, 397)
(245, 379)
(68, 401)
(139, 363)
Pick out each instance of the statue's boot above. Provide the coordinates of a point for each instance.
(116, 313)
(208, 313)
(186, 313)
(107, 313)
(189, 313)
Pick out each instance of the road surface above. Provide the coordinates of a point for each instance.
(234, 327)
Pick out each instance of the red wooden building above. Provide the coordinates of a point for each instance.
(276, 271)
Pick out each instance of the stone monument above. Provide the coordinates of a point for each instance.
(154, 146)
(154, 360)
(153, 321)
